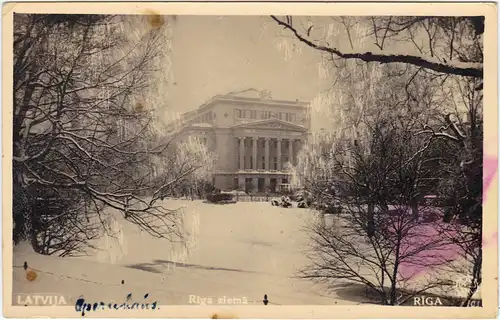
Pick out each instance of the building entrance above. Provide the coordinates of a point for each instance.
(273, 183)
(248, 185)
(261, 184)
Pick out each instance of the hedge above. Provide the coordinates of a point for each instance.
(219, 197)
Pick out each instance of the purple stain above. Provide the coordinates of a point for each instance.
(489, 171)
(423, 247)
(493, 237)
(437, 252)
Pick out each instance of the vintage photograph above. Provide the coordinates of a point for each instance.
(264, 160)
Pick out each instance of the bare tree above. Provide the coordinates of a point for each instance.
(376, 240)
(82, 128)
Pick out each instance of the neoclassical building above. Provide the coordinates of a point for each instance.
(255, 138)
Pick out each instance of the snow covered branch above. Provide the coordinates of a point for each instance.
(447, 67)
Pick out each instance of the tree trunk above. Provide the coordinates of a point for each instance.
(414, 208)
(394, 281)
(126, 207)
(371, 220)
(476, 278)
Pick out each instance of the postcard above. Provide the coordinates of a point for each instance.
(250, 160)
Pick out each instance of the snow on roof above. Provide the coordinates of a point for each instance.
(247, 93)
(202, 125)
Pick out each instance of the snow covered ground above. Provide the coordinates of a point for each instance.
(241, 251)
(236, 251)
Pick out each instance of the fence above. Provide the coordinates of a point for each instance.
(255, 198)
(240, 197)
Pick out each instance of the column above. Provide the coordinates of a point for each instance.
(299, 145)
(267, 154)
(290, 151)
(241, 183)
(242, 153)
(254, 154)
(267, 183)
(278, 155)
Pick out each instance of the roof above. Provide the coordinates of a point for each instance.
(235, 98)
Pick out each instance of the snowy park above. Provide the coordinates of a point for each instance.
(231, 254)
(240, 251)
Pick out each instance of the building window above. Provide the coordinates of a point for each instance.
(238, 162)
(275, 163)
(251, 162)
(266, 114)
(244, 162)
(254, 114)
(263, 162)
(205, 141)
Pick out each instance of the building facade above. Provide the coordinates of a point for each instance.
(255, 139)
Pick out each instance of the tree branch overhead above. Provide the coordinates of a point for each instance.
(450, 67)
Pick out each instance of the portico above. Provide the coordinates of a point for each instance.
(265, 150)
(283, 152)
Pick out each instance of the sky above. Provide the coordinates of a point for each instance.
(213, 55)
